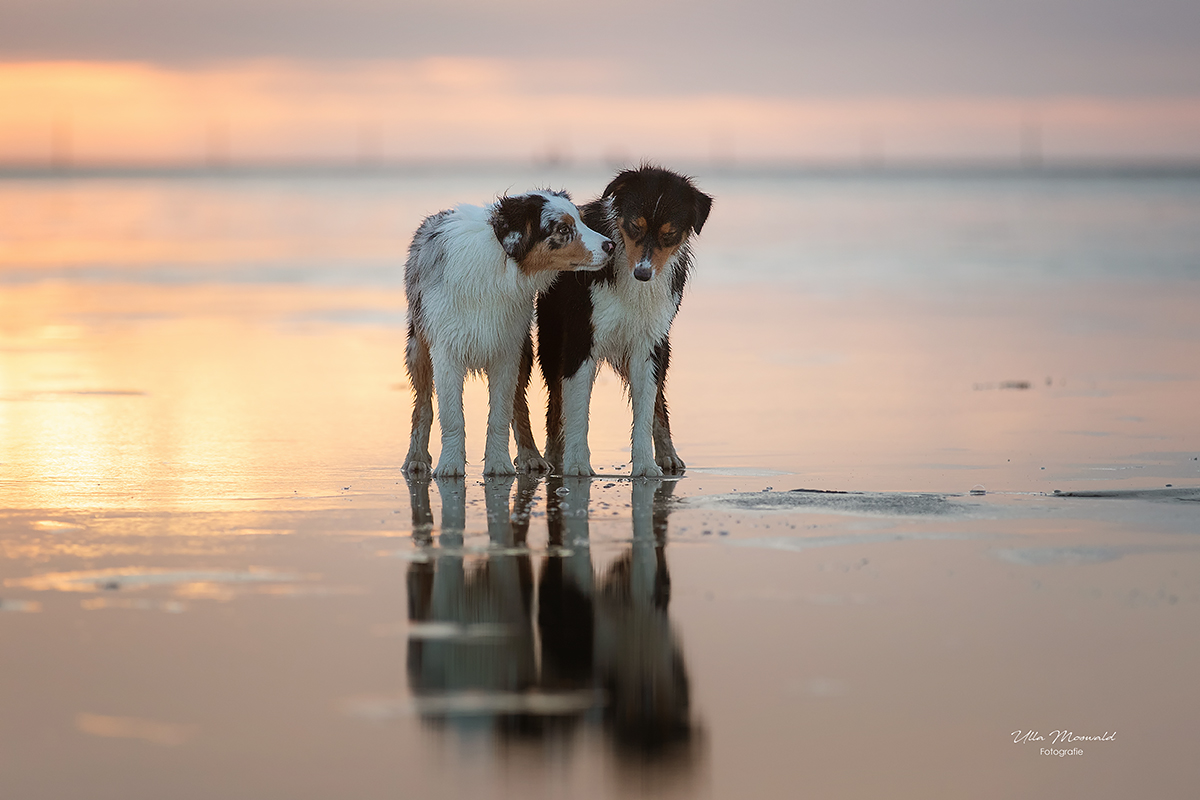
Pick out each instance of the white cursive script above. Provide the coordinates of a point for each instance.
(1070, 736)
(1024, 737)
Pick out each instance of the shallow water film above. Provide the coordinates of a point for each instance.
(939, 535)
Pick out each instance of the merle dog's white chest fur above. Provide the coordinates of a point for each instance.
(474, 312)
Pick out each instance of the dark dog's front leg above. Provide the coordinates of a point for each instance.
(641, 396)
(664, 448)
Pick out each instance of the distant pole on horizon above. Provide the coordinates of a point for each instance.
(617, 157)
(1031, 141)
(557, 151)
(370, 144)
(216, 152)
(721, 149)
(872, 153)
(60, 143)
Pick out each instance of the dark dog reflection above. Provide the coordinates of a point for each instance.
(602, 652)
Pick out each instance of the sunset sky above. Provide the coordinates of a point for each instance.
(365, 80)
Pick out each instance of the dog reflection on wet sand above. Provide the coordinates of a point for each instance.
(601, 649)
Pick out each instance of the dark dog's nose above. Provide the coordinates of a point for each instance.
(608, 246)
(642, 272)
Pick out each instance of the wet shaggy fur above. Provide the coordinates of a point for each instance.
(471, 277)
(621, 314)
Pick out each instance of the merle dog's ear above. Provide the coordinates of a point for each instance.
(514, 220)
(702, 204)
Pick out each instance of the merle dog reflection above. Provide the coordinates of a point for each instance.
(607, 651)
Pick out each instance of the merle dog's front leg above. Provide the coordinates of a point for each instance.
(448, 381)
(577, 397)
(502, 383)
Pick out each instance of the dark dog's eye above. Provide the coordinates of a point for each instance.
(563, 229)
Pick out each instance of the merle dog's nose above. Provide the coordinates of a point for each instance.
(608, 246)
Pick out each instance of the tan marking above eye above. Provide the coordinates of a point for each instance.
(669, 235)
(637, 227)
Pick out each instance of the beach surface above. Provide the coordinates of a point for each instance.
(940, 526)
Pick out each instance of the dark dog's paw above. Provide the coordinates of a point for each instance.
(531, 462)
(417, 467)
(671, 463)
(554, 459)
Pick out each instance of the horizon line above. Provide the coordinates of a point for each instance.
(1115, 166)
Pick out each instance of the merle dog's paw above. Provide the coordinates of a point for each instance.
(646, 470)
(499, 467)
(450, 469)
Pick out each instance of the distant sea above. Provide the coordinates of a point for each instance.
(828, 229)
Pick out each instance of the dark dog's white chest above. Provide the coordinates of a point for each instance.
(630, 317)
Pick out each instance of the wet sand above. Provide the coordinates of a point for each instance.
(921, 515)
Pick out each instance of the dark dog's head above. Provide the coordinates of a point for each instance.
(543, 230)
(656, 210)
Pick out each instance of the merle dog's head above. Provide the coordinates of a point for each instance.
(543, 230)
(656, 210)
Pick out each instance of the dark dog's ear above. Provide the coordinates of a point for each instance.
(702, 204)
(514, 220)
(616, 183)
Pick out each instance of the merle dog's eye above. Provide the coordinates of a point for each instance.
(563, 229)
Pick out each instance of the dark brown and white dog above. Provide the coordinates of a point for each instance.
(471, 277)
(621, 314)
